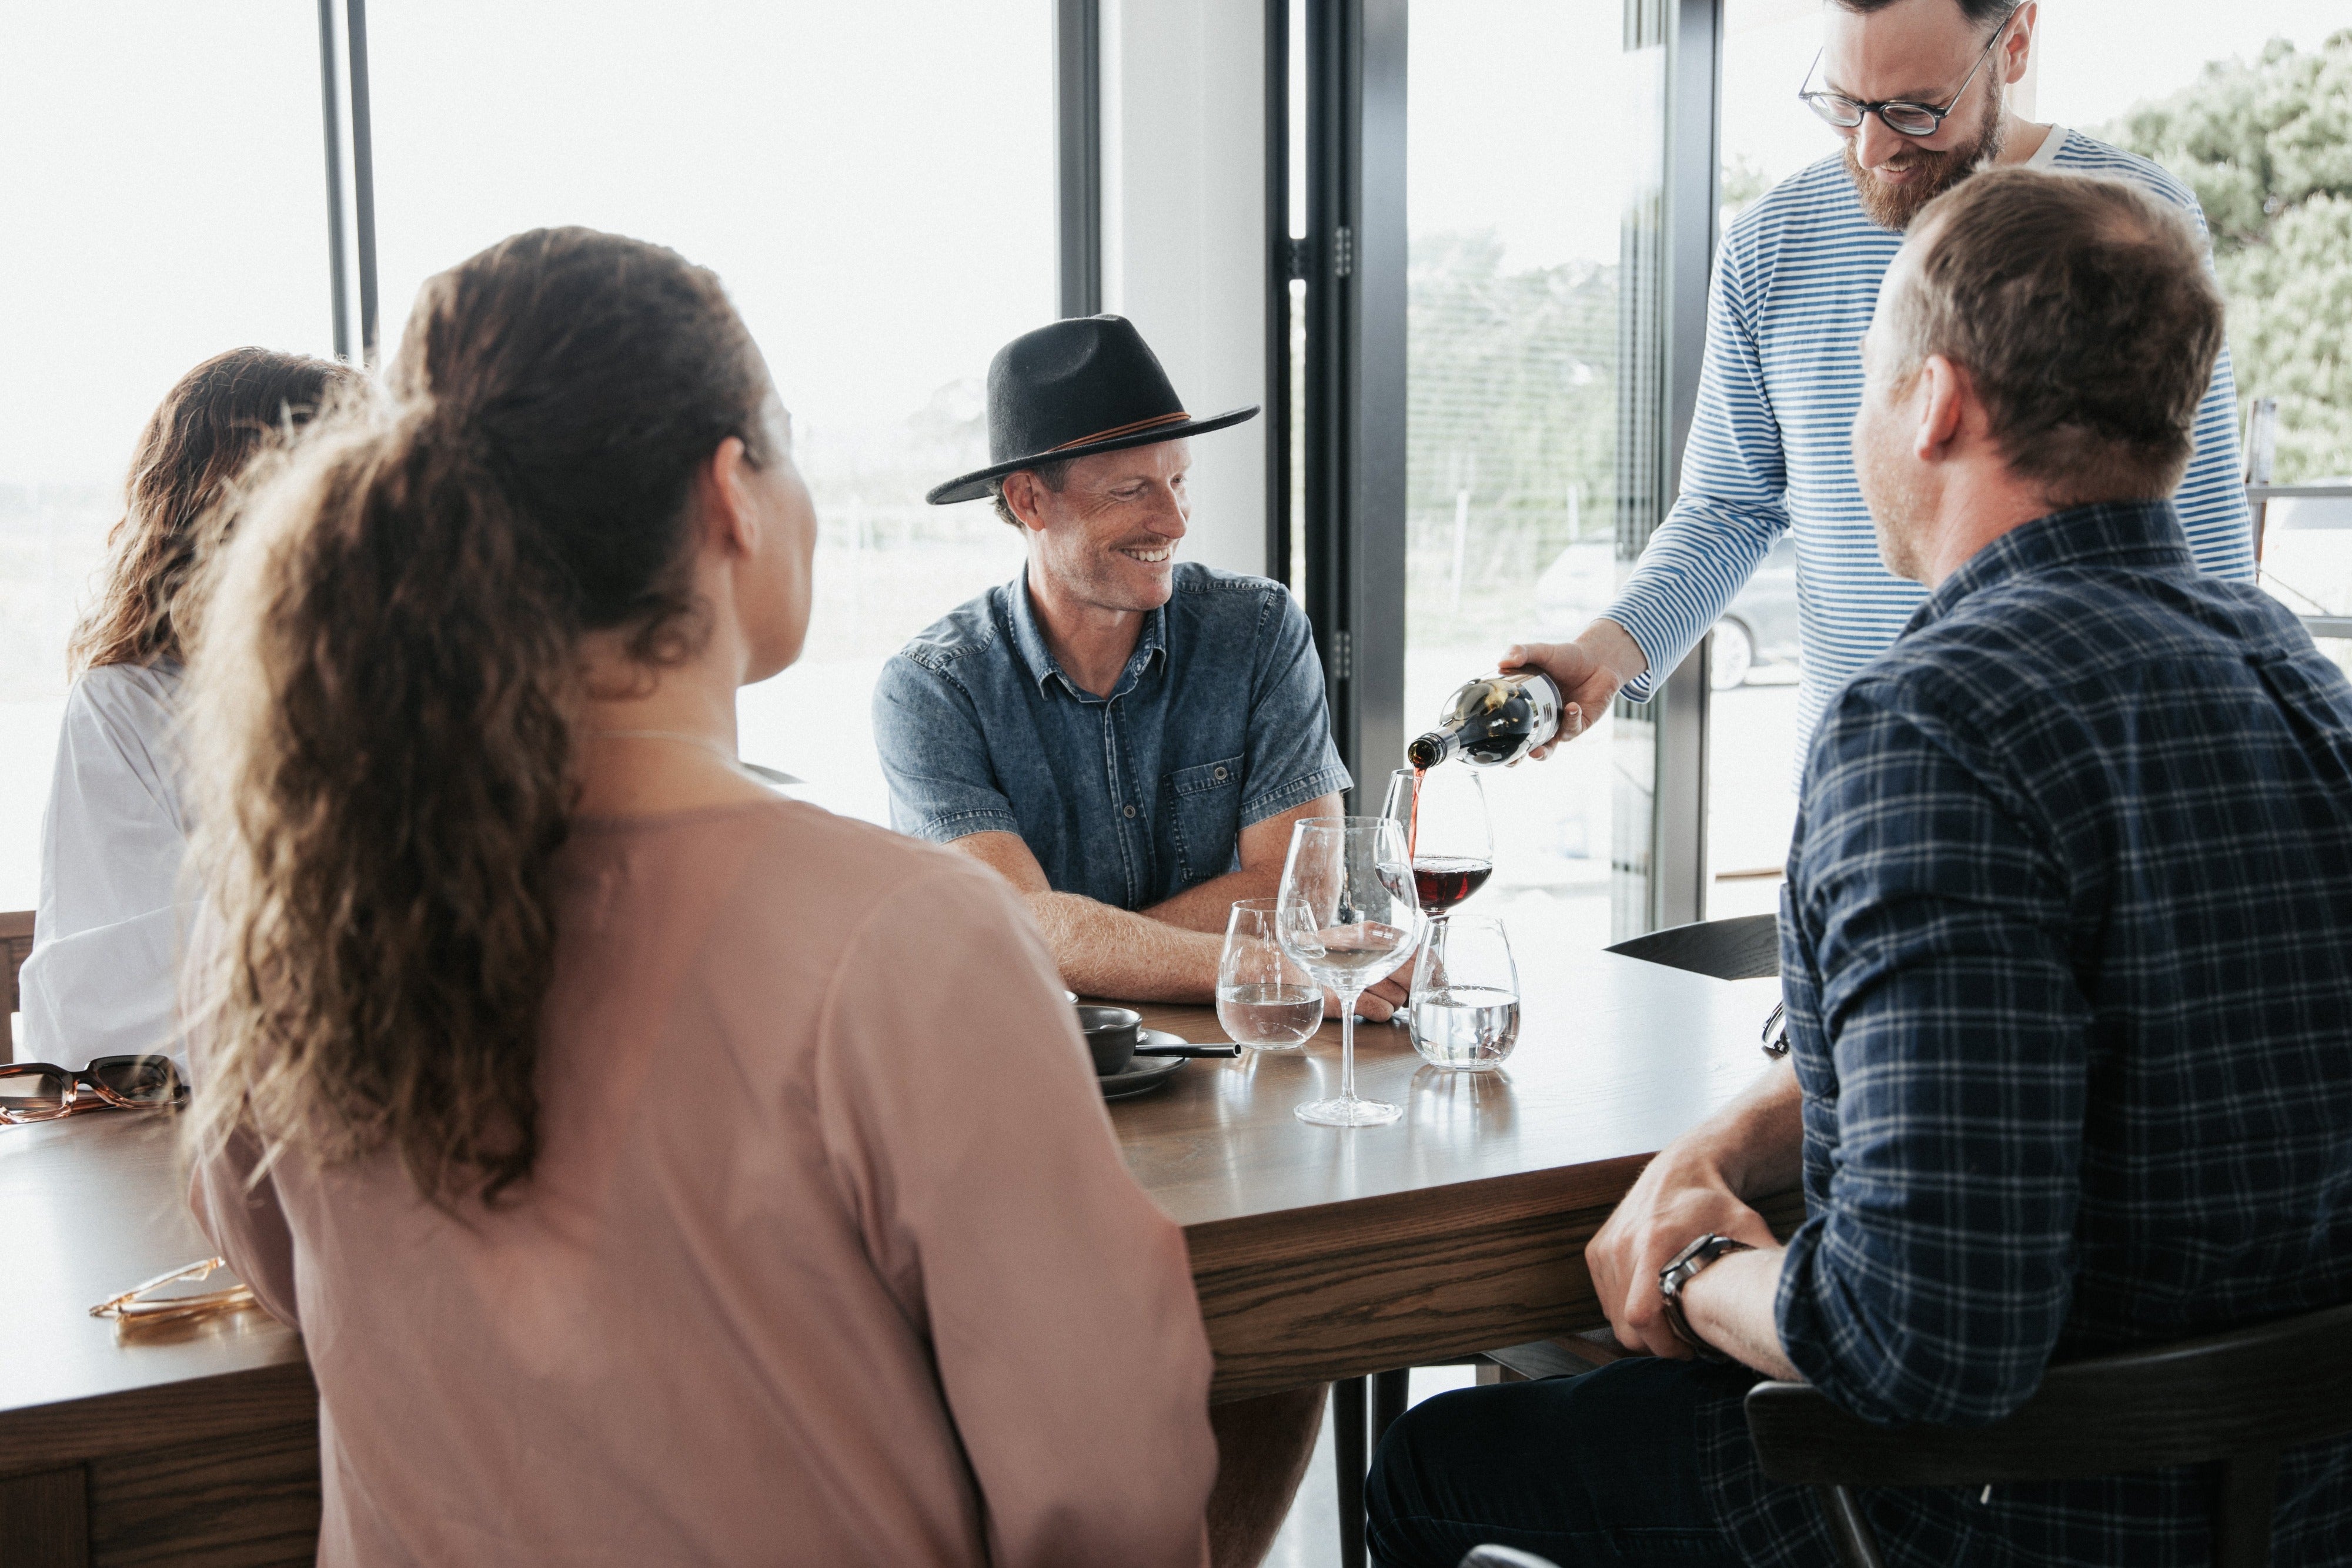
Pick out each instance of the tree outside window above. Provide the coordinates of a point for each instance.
(2267, 147)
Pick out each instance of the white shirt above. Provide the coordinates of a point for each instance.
(102, 979)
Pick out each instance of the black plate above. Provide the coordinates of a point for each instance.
(1147, 1073)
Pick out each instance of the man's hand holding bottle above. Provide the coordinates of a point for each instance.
(1587, 671)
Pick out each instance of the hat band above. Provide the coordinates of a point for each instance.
(1130, 429)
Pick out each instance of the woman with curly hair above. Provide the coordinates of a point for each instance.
(659, 1170)
(101, 980)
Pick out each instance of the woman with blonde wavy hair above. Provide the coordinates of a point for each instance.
(101, 980)
(659, 1170)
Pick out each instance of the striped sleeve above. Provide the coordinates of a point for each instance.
(1733, 502)
(2212, 494)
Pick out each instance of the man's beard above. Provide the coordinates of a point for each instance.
(1893, 206)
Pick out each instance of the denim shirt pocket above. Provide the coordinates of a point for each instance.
(1205, 817)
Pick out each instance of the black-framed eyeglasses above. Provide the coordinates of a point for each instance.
(1896, 115)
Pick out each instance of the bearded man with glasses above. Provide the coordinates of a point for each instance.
(1919, 89)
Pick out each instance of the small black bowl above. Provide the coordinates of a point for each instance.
(1110, 1036)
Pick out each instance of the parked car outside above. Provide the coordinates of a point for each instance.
(1757, 629)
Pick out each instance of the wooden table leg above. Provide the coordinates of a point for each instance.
(1392, 1391)
(45, 1520)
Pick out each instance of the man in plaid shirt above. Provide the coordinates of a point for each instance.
(2067, 952)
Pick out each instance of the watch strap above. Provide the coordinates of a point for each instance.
(1680, 1270)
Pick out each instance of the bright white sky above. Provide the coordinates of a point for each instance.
(1511, 98)
(873, 182)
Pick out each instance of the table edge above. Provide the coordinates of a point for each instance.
(168, 1414)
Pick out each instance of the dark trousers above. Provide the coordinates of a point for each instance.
(1600, 1470)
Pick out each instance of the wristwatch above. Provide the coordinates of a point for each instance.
(1681, 1272)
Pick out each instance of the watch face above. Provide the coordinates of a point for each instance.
(1687, 1262)
(1690, 1254)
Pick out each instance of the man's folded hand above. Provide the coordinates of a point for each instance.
(1682, 1196)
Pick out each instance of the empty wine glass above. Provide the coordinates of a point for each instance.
(1466, 994)
(1264, 998)
(1348, 914)
(1446, 836)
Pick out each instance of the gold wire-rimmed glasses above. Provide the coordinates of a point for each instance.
(136, 1307)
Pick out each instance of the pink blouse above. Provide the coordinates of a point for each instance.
(829, 1256)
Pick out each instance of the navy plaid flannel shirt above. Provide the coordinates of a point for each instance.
(2067, 951)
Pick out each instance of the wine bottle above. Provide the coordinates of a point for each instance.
(1494, 720)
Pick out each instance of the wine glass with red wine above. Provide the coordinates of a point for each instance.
(1442, 814)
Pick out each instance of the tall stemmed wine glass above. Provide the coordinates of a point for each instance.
(1348, 915)
(1443, 814)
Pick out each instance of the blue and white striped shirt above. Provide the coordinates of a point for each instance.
(1795, 282)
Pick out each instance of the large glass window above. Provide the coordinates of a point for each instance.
(876, 185)
(2252, 107)
(166, 197)
(1533, 145)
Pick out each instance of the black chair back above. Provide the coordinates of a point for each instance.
(1744, 947)
(2235, 1399)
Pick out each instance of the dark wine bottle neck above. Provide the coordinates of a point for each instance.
(1427, 751)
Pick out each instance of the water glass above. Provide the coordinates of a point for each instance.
(1466, 994)
(1265, 1000)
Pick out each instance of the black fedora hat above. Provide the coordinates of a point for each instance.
(1085, 385)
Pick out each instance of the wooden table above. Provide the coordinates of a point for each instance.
(1321, 1252)
(1318, 1252)
(195, 1445)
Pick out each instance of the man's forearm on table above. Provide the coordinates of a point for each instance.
(1106, 952)
(1757, 1141)
(1730, 1306)
(1207, 906)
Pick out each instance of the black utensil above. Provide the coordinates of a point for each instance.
(1227, 1048)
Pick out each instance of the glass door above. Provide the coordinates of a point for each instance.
(1533, 169)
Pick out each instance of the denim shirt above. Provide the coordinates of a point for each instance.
(1217, 722)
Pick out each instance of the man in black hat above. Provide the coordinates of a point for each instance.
(1124, 738)
(1127, 740)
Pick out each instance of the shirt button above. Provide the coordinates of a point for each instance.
(1221, 775)
(1131, 810)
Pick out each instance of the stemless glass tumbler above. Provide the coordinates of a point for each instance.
(1349, 917)
(1466, 994)
(1265, 1000)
